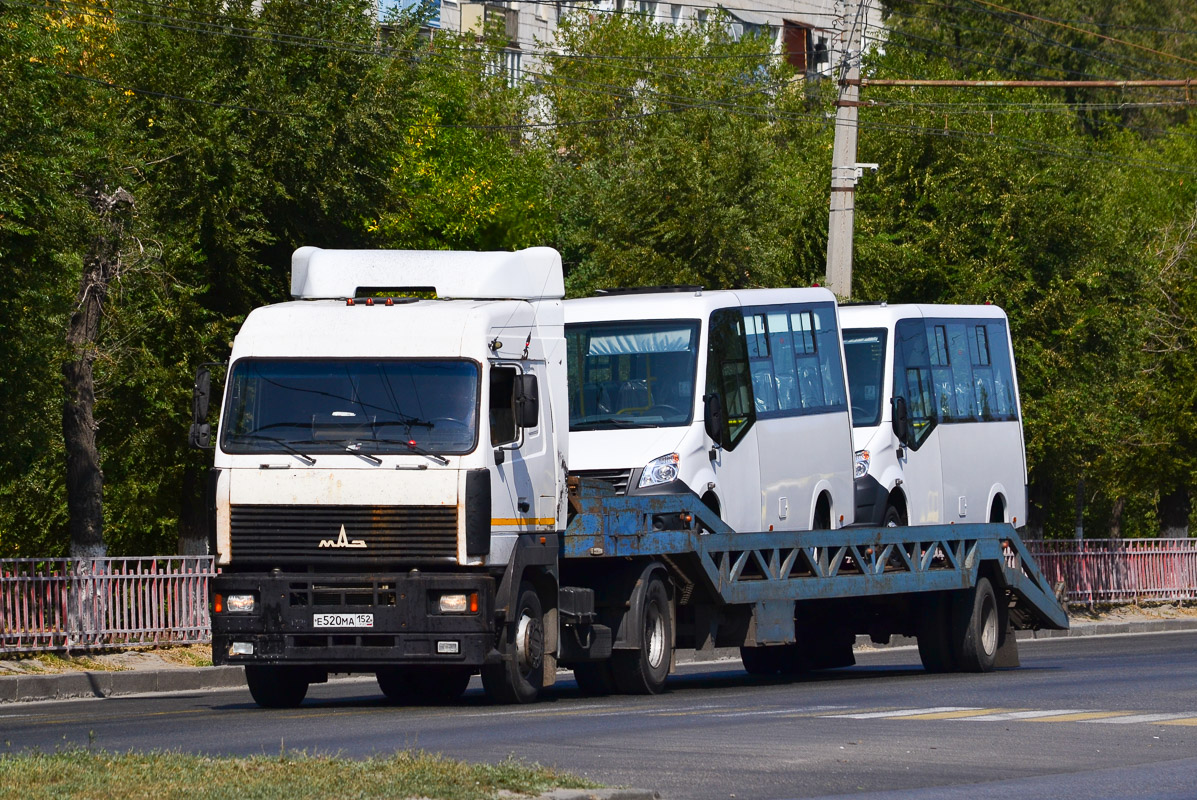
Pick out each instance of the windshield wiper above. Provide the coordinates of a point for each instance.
(304, 457)
(409, 444)
(356, 449)
(621, 422)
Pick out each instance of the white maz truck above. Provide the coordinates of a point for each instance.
(390, 492)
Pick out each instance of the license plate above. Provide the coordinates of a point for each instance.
(342, 620)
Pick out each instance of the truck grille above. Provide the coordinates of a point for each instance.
(618, 477)
(312, 534)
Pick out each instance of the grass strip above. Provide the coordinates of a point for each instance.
(81, 773)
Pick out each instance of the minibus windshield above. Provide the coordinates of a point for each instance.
(360, 406)
(864, 352)
(631, 374)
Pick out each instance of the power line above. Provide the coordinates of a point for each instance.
(1081, 30)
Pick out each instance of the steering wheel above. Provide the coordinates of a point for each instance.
(663, 410)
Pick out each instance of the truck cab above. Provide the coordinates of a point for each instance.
(389, 466)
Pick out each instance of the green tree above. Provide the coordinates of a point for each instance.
(681, 155)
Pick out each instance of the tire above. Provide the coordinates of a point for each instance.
(934, 631)
(762, 660)
(429, 685)
(520, 676)
(979, 625)
(644, 670)
(822, 521)
(594, 678)
(893, 518)
(276, 687)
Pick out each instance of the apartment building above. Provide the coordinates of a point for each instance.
(804, 32)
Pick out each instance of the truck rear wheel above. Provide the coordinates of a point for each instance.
(761, 660)
(520, 676)
(423, 685)
(644, 670)
(978, 628)
(276, 687)
(594, 678)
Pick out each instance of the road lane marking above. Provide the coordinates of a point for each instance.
(1021, 715)
(1083, 716)
(1187, 721)
(1135, 718)
(797, 712)
(903, 712)
(965, 714)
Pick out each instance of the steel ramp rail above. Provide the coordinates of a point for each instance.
(807, 565)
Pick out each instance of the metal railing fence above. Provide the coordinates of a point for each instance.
(66, 604)
(83, 604)
(1119, 570)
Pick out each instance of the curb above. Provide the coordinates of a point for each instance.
(24, 688)
(599, 794)
(21, 688)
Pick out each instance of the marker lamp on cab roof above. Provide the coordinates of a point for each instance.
(862, 464)
(659, 470)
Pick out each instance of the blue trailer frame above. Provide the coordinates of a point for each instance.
(774, 569)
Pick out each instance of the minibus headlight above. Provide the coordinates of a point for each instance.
(862, 464)
(659, 470)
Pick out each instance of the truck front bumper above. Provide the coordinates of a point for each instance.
(354, 623)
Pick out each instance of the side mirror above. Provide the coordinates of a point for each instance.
(527, 401)
(712, 417)
(900, 420)
(201, 432)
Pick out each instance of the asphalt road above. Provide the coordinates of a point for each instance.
(1093, 717)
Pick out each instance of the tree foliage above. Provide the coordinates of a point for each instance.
(648, 154)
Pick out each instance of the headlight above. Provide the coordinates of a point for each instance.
(659, 470)
(862, 464)
(458, 603)
(239, 604)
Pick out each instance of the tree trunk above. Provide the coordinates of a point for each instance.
(193, 515)
(1079, 507)
(85, 480)
(1173, 510)
(1116, 517)
(1039, 497)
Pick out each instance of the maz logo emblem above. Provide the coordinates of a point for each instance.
(342, 541)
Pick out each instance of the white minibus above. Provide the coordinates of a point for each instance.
(937, 425)
(737, 396)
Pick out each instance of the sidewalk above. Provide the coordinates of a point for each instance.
(142, 672)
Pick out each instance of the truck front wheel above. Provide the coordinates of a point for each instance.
(423, 685)
(644, 670)
(520, 676)
(276, 687)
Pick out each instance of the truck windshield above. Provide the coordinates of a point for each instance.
(351, 405)
(864, 352)
(631, 374)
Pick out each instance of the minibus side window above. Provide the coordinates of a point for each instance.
(970, 364)
(728, 373)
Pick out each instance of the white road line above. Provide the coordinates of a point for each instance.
(905, 712)
(1138, 718)
(805, 710)
(1015, 715)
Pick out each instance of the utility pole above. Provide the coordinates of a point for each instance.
(843, 155)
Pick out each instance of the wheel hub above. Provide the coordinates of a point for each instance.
(529, 643)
